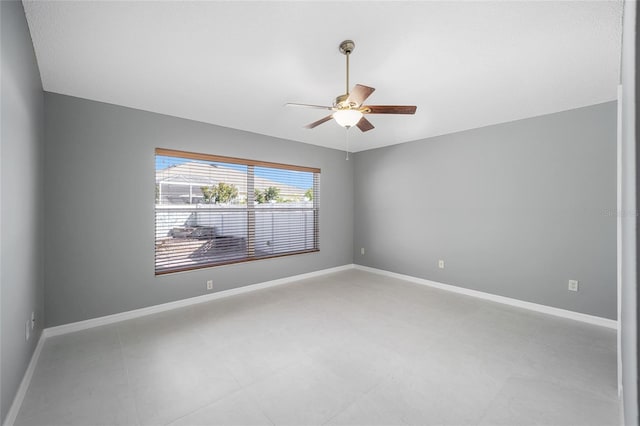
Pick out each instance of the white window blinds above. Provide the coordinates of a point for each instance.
(213, 210)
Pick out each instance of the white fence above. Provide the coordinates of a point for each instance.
(279, 227)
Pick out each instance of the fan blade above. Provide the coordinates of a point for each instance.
(309, 106)
(359, 94)
(364, 125)
(389, 109)
(319, 122)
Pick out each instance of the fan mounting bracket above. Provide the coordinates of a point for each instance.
(347, 46)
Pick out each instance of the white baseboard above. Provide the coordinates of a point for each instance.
(110, 319)
(24, 384)
(577, 316)
(136, 313)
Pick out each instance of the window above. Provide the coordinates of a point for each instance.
(213, 210)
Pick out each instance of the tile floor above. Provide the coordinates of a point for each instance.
(347, 348)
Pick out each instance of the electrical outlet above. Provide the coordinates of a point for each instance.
(33, 320)
(573, 285)
(209, 284)
(362, 251)
(441, 264)
(28, 330)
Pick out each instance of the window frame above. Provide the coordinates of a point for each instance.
(250, 207)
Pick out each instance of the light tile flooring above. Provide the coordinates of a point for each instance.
(346, 348)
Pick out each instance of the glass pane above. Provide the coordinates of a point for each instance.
(182, 181)
(282, 186)
(284, 211)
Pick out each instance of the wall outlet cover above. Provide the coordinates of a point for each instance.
(573, 285)
(441, 264)
(209, 284)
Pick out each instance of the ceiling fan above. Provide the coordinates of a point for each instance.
(348, 109)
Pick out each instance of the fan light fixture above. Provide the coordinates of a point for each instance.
(347, 117)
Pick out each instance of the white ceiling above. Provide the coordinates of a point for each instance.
(235, 64)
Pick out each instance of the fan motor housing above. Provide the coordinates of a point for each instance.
(341, 102)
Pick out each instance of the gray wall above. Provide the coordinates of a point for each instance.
(515, 209)
(21, 279)
(100, 164)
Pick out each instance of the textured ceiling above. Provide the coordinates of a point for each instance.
(235, 64)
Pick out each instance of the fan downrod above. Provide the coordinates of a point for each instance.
(346, 47)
